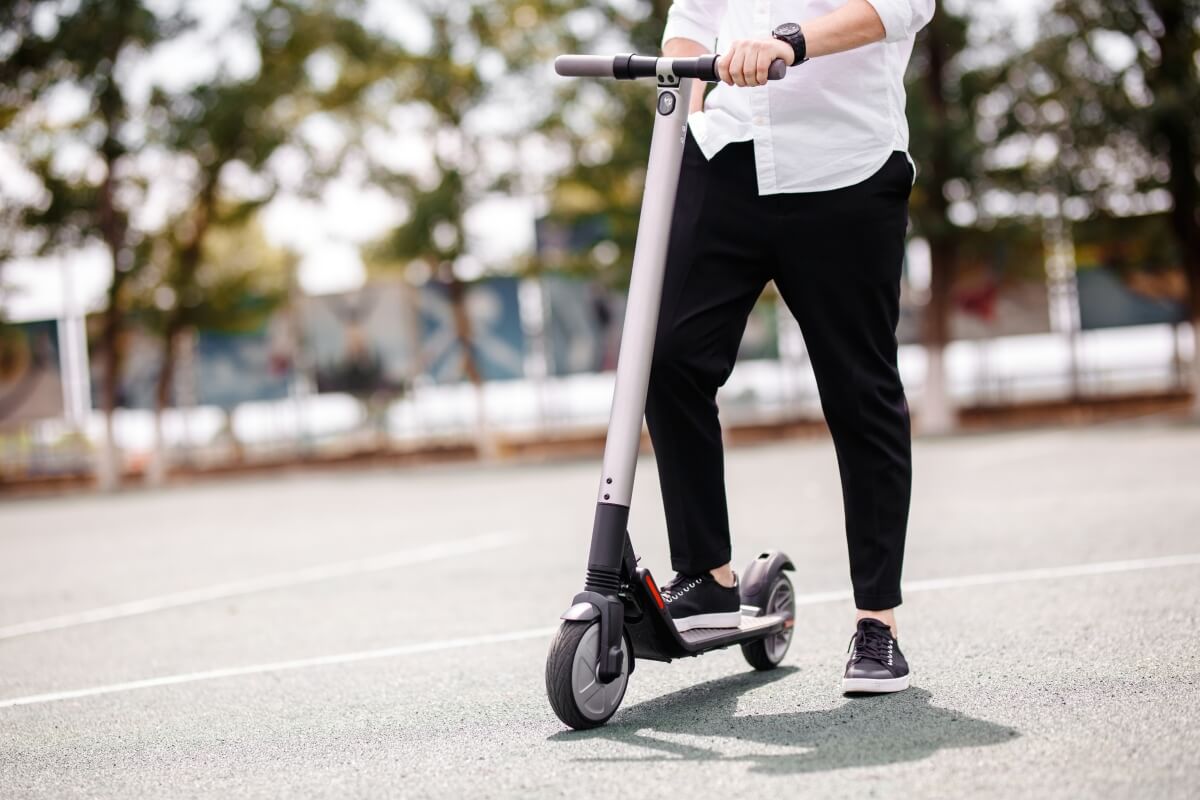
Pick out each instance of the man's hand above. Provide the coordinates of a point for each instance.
(747, 61)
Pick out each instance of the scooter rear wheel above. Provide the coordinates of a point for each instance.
(766, 653)
(576, 694)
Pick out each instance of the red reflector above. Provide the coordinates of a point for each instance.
(654, 592)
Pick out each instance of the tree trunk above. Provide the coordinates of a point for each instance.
(159, 465)
(108, 468)
(1185, 224)
(189, 263)
(1194, 372)
(1192, 381)
(937, 414)
(485, 442)
(1174, 122)
(113, 229)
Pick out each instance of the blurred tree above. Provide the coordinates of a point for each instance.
(1109, 98)
(236, 281)
(227, 131)
(467, 111)
(80, 53)
(441, 87)
(606, 125)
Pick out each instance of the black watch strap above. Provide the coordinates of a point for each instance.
(791, 33)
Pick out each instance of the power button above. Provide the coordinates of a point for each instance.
(666, 103)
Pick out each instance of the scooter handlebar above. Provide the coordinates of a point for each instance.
(629, 67)
(584, 66)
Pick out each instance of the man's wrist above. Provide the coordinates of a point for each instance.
(785, 51)
(792, 36)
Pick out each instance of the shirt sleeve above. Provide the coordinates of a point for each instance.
(698, 20)
(902, 18)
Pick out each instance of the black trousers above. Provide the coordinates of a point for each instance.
(836, 258)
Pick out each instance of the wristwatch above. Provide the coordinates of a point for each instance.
(790, 33)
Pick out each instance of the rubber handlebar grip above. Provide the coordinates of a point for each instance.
(628, 66)
(707, 69)
(584, 66)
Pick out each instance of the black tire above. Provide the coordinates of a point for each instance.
(561, 682)
(767, 653)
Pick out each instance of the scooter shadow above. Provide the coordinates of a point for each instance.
(701, 723)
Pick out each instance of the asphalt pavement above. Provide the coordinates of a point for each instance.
(382, 633)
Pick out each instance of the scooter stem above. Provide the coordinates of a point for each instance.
(645, 292)
(609, 537)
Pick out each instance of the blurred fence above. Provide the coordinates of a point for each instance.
(383, 368)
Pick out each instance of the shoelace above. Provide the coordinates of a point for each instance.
(666, 589)
(870, 643)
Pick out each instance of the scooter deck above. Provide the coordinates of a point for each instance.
(751, 628)
(654, 636)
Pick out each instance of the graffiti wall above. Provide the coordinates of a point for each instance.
(211, 368)
(141, 361)
(361, 342)
(998, 288)
(493, 316)
(1128, 273)
(582, 323)
(234, 368)
(31, 386)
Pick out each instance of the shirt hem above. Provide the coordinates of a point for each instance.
(840, 183)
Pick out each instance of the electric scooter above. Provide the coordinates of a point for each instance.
(620, 616)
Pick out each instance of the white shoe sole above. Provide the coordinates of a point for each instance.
(728, 619)
(876, 685)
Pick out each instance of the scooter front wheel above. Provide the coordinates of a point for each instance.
(576, 693)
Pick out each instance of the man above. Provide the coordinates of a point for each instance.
(803, 181)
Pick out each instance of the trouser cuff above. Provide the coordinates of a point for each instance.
(699, 566)
(877, 602)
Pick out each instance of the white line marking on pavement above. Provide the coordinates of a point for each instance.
(1017, 576)
(936, 584)
(281, 666)
(278, 580)
(1051, 573)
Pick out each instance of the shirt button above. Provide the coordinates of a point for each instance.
(759, 121)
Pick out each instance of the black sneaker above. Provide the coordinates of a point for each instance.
(876, 664)
(700, 602)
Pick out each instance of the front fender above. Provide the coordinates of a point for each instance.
(581, 612)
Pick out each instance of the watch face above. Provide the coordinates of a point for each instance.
(787, 29)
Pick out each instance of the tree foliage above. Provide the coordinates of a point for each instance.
(84, 52)
(606, 127)
(1110, 92)
(227, 131)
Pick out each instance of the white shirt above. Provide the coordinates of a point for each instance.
(833, 121)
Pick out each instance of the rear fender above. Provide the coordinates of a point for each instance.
(756, 580)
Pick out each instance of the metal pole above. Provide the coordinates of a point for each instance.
(645, 291)
(1063, 289)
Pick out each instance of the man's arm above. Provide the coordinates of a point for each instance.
(858, 23)
(686, 48)
(691, 30)
(853, 25)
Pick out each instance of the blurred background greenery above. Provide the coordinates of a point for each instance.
(165, 167)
